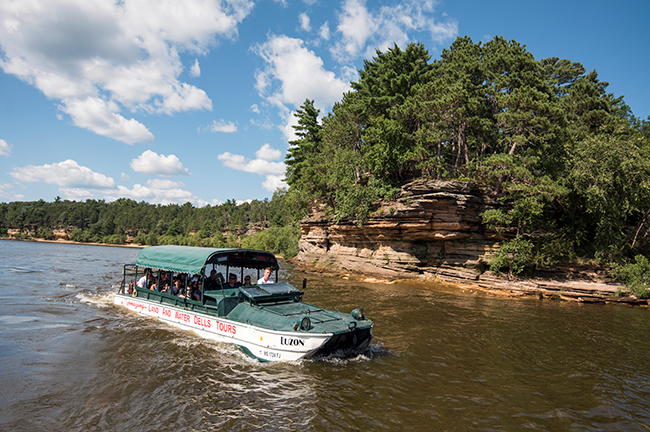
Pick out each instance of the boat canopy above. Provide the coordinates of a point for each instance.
(190, 259)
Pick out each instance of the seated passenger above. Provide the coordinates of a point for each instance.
(177, 288)
(213, 282)
(266, 279)
(142, 282)
(247, 280)
(232, 281)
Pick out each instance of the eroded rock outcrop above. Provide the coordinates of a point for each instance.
(432, 230)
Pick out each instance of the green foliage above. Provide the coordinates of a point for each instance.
(636, 275)
(514, 255)
(566, 160)
(278, 240)
(609, 177)
(44, 233)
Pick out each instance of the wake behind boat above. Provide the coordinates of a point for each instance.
(183, 286)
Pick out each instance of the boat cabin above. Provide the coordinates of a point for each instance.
(192, 278)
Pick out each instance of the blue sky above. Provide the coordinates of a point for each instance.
(173, 101)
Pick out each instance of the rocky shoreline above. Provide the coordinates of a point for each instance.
(433, 232)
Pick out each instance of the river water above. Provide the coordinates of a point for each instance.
(441, 359)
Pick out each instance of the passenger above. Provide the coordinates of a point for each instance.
(164, 276)
(247, 280)
(232, 281)
(193, 292)
(177, 289)
(213, 283)
(142, 282)
(165, 287)
(266, 279)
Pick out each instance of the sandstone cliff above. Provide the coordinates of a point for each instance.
(433, 231)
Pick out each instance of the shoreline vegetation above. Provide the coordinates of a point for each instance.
(581, 291)
(566, 162)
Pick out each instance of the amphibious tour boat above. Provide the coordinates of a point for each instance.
(183, 286)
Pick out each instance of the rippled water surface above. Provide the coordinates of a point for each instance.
(441, 359)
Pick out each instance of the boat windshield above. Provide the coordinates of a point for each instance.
(271, 291)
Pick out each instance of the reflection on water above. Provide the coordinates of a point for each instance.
(442, 359)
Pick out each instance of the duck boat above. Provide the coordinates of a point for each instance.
(268, 321)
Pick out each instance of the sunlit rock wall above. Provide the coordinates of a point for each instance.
(432, 230)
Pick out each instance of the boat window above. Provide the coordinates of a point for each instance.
(255, 291)
(280, 288)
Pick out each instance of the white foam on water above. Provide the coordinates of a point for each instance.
(99, 300)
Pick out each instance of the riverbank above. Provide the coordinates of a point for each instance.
(62, 241)
(434, 231)
(572, 284)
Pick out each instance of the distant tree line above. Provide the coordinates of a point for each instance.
(568, 160)
(142, 223)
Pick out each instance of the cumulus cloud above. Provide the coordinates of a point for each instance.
(324, 31)
(222, 126)
(195, 71)
(362, 30)
(76, 194)
(263, 165)
(7, 193)
(305, 25)
(273, 183)
(100, 117)
(268, 153)
(97, 58)
(151, 163)
(67, 174)
(294, 73)
(156, 191)
(5, 148)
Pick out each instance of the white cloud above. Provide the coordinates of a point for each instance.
(272, 183)
(267, 153)
(155, 191)
(107, 56)
(363, 30)
(262, 165)
(202, 203)
(67, 174)
(6, 193)
(290, 120)
(151, 163)
(298, 73)
(5, 148)
(100, 117)
(255, 108)
(195, 71)
(304, 22)
(255, 166)
(222, 126)
(324, 31)
(76, 194)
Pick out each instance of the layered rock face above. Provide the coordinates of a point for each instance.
(432, 230)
